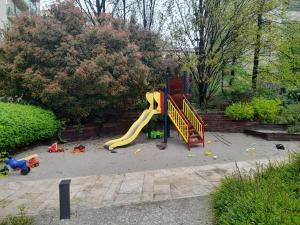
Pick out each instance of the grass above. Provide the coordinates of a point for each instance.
(20, 219)
(267, 196)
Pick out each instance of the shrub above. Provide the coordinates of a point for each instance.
(266, 110)
(291, 115)
(24, 124)
(268, 196)
(240, 111)
(75, 68)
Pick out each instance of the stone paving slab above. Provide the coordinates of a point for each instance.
(100, 191)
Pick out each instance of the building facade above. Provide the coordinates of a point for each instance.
(9, 9)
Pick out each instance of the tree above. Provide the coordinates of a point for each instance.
(62, 62)
(284, 71)
(268, 15)
(92, 9)
(210, 29)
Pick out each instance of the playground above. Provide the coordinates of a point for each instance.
(143, 154)
(186, 144)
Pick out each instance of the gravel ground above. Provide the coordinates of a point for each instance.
(188, 211)
(96, 160)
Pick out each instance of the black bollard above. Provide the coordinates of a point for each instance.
(64, 199)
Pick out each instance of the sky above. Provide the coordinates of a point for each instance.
(45, 3)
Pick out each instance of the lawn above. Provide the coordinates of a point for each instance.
(266, 196)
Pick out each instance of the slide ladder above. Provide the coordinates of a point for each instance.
(196, 121)
(187, 122)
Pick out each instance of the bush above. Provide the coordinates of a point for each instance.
(240, 111)
(23, 124)
(291, 115)
(267, 110)
(269, 196)
(75, 68)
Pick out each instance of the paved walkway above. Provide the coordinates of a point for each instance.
(98, 191)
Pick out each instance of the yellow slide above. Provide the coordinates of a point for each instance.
(137, 126)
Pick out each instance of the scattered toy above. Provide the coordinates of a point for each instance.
(190, 155)
(251, 151)
(162, 146)
(18, 165)
(78, 149)
(54, 148)
(114, 151)
(156, 135)
(138, 151)
(33, 162)
(208, 142)
(208, 153)
(280, 147)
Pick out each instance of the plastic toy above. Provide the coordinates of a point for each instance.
(78, 149)
(156, 134)
(54, 148)
(174, 104)
(33, 162)
(18, 165)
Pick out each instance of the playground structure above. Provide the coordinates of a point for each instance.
(173, 103)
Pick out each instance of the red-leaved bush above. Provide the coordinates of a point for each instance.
(77, 69)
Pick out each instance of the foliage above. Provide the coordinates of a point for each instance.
(73, 67)
(291, 115)
(268, 196)
(266, 110)
(265, 33)
(20, 219)
(284, 69)
(24, 124)
(293, 96)
(240, 111)
(216, 31)
(149, 45)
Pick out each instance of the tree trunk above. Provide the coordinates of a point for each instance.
(202, 90)
(202, 86)
(103, 6)
(232, 73)
(257, 51)
(124, 11)
(222, 81)
(144, 15)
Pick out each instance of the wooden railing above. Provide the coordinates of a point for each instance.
(178, 119)
(193, 117)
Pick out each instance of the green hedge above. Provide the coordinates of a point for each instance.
(23, 124)
(266, 110)
(268, 197)
(240, 111)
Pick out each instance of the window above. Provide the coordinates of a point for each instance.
(295, 5)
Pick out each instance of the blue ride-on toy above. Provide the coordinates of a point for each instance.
(18, 165)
